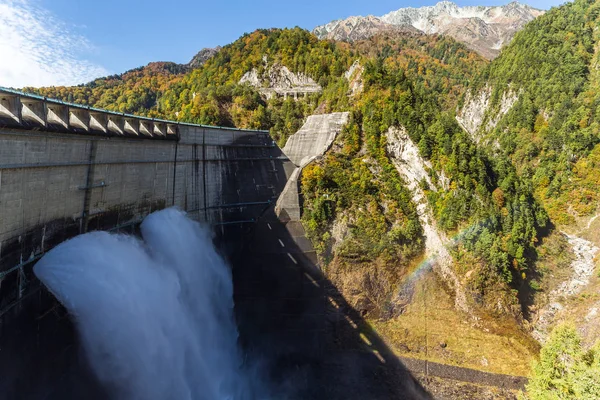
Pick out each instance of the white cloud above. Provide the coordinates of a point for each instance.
(37, 49)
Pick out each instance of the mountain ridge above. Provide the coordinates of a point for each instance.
(485, 29)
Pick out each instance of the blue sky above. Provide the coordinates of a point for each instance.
(112, 36)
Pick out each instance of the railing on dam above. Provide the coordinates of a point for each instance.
(24, 110)
(67, 169)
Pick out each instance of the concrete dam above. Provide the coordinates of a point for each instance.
(68, 169)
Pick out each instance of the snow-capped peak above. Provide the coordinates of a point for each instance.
(483, 28)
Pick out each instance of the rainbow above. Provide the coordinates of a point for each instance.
(408, 283)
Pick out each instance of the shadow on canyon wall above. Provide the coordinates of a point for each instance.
(310, 343)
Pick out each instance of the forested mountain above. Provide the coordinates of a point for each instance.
(135, 91)
(551, 126)
(212, 94)
(410, 80)
(537, 106)
(483, 195)
(510, 151)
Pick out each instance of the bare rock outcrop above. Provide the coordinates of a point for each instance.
(203, 56)
(477, 110)
(279, 80)
(354, 77)
(413, 168)
(473, 112)
(583, 268)
(357, 28)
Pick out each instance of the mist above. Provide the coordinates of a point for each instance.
(155, 315)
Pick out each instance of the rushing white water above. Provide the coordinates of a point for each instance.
(155, 316)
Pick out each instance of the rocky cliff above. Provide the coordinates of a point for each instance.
(203, 56)
(477, 112)
(358, 28)
(278, 79)
(412, 167)
(354, 77)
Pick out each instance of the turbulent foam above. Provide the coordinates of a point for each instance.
(155, 316)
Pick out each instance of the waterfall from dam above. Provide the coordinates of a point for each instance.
(155, 316)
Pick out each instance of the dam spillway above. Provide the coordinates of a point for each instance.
(60, 179)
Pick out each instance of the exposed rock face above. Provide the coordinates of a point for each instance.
(483, 29)
(278, 79)
(583, 268)
(354, 77)
(203, 56)
(340, 230)
(508, 100)
(358, 28)
(473, 112)
(476, 110)
(412, 167)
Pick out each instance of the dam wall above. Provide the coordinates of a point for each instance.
(55, 186)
